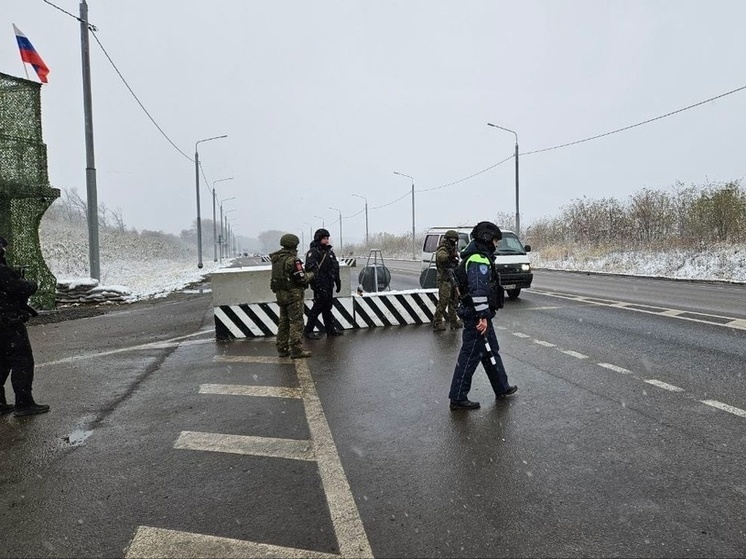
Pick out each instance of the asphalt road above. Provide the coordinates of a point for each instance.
(626, 437)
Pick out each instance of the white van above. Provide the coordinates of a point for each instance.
(511, 258)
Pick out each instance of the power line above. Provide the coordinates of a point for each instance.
(137, 99)
(466, 178)
(638, 124)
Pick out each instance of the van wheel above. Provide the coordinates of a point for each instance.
(514, 293)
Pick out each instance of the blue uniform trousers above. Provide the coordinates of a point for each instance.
(473, 351)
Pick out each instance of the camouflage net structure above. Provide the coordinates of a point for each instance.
(25, 193)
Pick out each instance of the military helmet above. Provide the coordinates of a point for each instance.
(485, 231)
(320, 234)
(288, 240)
(451, 235)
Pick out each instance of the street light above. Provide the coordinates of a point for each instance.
(232, 235)
(214, 221)
(322, 220)
(199, 218)
(517, 212)
(366, 217)
(226, 238)
(340, 226)
(310, 232)
(222, 224)
(414, 249)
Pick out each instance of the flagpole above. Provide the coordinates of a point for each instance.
(90, 167)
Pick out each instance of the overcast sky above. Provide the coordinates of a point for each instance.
(325, 99)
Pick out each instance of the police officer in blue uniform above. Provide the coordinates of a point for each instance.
(477, 308)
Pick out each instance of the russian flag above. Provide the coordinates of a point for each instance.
(30, 56)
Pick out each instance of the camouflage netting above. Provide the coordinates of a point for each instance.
(25, 193)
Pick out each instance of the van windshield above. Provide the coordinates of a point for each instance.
(509, 244)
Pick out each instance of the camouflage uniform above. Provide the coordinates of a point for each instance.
(289, 295)
(446, 259)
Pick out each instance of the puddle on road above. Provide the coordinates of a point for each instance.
(77, 437)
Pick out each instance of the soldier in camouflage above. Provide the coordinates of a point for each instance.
(446, 260)
(288, 282)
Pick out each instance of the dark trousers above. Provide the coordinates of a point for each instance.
(323, 300)
(474, 351)
(16, 361)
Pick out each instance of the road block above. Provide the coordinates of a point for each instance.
(245, 307)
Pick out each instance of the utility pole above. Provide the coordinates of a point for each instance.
(90, 161)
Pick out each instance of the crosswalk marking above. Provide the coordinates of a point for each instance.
(291, 449)
(156, 543)
(250, 390)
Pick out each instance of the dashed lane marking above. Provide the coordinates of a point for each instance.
(250, 390)
(545, 344)
(154, 543)
(725, 407)
(664, 385)
(521, 335)
(615, 368)
(291, 449)
(572, 353)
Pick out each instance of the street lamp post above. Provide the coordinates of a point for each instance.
(214, 220)
(310, 232)
(227, 235)
(414, 249)
(199, 217)
(340, 226)
(222, 226)
(517, 210)
(366, 217)
(322, 220)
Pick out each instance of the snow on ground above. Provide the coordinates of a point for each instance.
(137, 279)
(721, 263)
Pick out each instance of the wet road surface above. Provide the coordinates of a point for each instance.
(165, 441)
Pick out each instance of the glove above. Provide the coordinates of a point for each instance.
(339, 285)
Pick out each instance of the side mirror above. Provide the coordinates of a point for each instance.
(527, 248)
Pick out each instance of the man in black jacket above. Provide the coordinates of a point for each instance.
(321, 260)
(16, 356)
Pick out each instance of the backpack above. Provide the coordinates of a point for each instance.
(279, 280)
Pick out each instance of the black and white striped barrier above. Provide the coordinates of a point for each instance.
(265, 258)
(391, 308)
(261, 319)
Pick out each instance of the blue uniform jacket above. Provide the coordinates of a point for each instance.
(479, 273)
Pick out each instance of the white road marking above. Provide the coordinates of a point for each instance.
(154, 543)
(664, 385)
(348, 526)
(521, 335)
(171, 342)
(250, 390)
(291, 449)
(545, 344)
(615, 368)
(572, 353)
(725, 407)
(739, 324)
(266, 359)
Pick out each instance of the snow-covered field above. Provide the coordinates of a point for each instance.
(720, 263)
